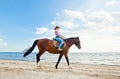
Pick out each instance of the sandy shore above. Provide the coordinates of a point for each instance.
(28, 70)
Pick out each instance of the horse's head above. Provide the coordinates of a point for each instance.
(77, 42)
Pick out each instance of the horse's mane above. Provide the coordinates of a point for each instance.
(69, 39)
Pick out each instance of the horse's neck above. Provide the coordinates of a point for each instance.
(69, 42)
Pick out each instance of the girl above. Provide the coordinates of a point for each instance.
(59, 37)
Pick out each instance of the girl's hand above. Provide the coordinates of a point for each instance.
(63, 37)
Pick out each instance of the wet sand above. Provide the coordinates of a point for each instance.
(10, 69)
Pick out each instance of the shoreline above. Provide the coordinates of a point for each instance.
(60, 62)
(15, 69)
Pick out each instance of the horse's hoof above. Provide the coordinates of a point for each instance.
(56, 67)
(38, 63)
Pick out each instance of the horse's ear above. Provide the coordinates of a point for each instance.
(78, 37)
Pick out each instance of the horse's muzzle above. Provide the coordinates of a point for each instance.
(79, 47)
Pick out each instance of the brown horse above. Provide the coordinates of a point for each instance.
(47, 45)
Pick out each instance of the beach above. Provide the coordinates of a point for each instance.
(14, 69)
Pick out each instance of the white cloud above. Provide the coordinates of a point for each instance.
(107, 5)
(67, 18)
(2, 43)
(104, 21)
(41, 30)
(113, 2)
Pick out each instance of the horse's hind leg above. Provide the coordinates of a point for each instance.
(38, 56)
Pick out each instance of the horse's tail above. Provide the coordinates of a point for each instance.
(28, 51)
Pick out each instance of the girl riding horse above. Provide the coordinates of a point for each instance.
(47, 45)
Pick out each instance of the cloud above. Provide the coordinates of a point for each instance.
(2, 43)
(107, 5)
(95, 21)
(41, 30)
(68, 18)
(103, 21)
(113, 2)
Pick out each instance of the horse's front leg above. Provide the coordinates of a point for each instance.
(67, 59)
(60, 56)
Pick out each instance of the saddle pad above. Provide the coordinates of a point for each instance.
(56, 44)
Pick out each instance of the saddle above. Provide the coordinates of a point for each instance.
(56, 43)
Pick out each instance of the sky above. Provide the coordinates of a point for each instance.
(96, 22)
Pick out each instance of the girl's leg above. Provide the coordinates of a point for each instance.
(60, 41)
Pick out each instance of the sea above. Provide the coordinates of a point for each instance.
(98, 58)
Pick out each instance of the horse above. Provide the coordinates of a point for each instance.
(45, 44)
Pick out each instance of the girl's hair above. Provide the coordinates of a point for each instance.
(56, 27)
